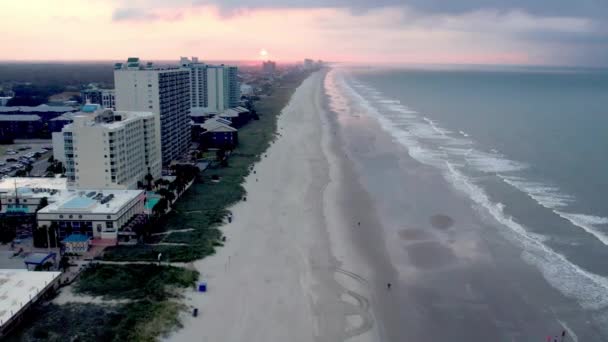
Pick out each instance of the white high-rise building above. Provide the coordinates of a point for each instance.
(112, 149)
(163, 91)
(213, 87)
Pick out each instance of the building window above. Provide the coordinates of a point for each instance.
(109, 224)
(108, 217)
(71, 216)
(79, 216)
(60, 216)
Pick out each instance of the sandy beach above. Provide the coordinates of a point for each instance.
(279, 277)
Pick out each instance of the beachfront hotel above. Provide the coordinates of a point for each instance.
(162, 91)
(94, 213)
(106, 149)
(98, 214)
(212, 87)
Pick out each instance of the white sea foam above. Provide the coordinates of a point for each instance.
(384, 100)
(435, 127)
(548, 196)
(588, 223)
(589, 289)
(493, 162)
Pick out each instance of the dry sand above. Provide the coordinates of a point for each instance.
(287, 270)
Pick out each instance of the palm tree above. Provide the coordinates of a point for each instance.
(149, 179)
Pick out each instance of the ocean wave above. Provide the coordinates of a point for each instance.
(493, 163)
(591, 290)
(588, 223)
(548, 196)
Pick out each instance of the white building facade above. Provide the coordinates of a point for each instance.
(213, 87)
(163, 91)
(97, 214)
(112, 149)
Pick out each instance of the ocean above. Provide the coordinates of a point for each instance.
(527, 147)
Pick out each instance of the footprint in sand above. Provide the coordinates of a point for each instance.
(358, 317)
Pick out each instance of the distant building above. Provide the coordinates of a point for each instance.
(103, 97)
(57, 124)
(246, 89)
(111, 149)
(213, 87)
(45, 112)
(4, 100)
(108, 98)
(269, 67)
(309, 64)
(18, 126)
(162, 91)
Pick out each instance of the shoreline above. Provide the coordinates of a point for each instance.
(288, 271)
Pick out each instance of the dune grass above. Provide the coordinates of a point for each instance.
(134, 281)
(139, 321)
(205, 205)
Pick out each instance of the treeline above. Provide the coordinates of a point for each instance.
(65, 74)
(33, 94)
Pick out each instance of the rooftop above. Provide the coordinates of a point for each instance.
(19, 117)
(106, 118)
(17, 287)
(217, 125)
(8, 184)
(91, 201)
(43, 108)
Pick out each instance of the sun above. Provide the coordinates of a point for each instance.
(263, 54)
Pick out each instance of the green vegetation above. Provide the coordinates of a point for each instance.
(140, 321)
(204, 207)
(149, 313)
(149, 281)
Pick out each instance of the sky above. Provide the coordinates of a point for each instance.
(539, 32)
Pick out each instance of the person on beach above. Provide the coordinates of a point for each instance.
(388, 286)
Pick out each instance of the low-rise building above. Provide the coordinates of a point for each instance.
(44, 111)
(98, 214)
(4, 100)
(23, 195)
(217, 133)
(20, 289)
(237, 116)
(20, 126)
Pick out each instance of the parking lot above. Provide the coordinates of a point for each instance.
(17, 156)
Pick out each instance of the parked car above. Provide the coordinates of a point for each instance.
(11, 160)
(2, 163)
(11, 152)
